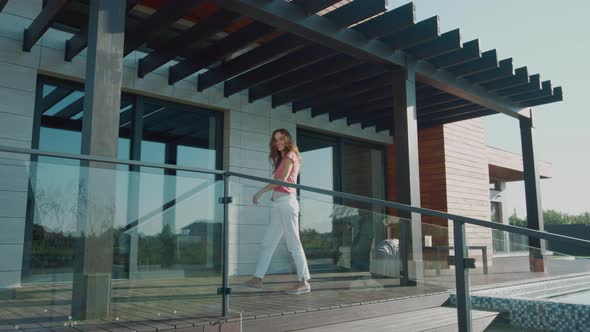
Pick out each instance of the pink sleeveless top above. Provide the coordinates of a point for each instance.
(292, 178)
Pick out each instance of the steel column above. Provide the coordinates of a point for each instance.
(532, 193)
(91, 291)
(407, 169)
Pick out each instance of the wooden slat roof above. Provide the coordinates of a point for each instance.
(226, 47)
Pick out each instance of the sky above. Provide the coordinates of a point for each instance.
(550, 38)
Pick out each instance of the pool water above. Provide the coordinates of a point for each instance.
(575, 298)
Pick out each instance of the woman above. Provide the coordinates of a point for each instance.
(286, 161)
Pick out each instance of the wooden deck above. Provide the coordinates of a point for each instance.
(432, 319)
(424, 313)
(193, 303)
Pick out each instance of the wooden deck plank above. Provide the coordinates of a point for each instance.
(421, 320)
(350, 314)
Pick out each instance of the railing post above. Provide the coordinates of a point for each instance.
(462, 278)
(225, 290)
(404, 248)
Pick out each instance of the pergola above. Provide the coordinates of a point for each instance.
(348, 59)
(339, 64)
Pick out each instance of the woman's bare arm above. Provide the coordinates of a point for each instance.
(282, 177)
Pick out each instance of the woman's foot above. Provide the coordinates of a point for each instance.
(254, 284)
(301, 287)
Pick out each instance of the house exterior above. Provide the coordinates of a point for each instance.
(43, 106)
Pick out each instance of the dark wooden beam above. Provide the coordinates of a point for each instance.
(416, 34)
(347, 91)
(355, 11)
(71, 110)
(381, 121)
(557, 96)
(358, 117)
(76, 44)
(505, 69)
(55, 97)
(546, 91)
(79, 41)
(436, 100)
(314, 6)
(368, 123)
(449, 105)
(427, 91)
(364, 111)
(520, 77)
(342, 16)
(383, 127)
(165, 51)
(304, 75)
(298, 59)
(169, 13)
(534, 84)
(357, 107)
(390, 22)
(42, 22)
(270, 51)
(328, 84)
(470, 51)
(435, 113)
(351, 104)
(446, 43)
(487, 61)
(200, 59)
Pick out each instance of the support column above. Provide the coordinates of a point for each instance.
(532, 192)
(91, 294)
(407, 172)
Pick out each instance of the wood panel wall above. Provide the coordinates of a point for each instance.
(467, 178)
(454, 177)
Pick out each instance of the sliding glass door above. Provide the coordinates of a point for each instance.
(339, 235)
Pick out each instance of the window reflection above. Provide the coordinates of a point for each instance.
(166, 223)
(337, 234)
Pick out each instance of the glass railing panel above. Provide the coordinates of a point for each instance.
(530, 285)
(352, 253)
(96, 243)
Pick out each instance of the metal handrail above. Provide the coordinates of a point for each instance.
(388, 204)
(428, 212)
(107, 160)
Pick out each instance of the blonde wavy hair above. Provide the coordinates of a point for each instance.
(275, 156)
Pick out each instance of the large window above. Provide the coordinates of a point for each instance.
(155, 230)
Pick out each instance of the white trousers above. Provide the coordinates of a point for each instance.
(284, 221)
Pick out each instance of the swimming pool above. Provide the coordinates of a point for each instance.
(551, 303)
